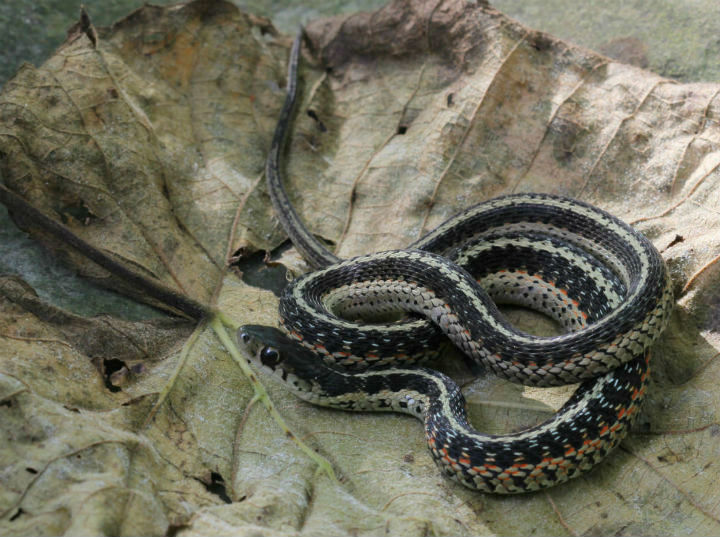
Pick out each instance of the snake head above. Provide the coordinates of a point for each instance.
(285, 358)
(274, 349)
(268, 346)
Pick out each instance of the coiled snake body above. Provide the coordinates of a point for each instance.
(596, 276)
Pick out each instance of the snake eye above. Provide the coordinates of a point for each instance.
(269, 356)
(244, 337)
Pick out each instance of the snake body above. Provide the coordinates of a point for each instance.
(598, 277)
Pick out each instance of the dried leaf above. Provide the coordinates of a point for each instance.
(149, 143)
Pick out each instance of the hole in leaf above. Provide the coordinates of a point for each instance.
(217, 487)
(174, 529)
(258, 272)
(77, 212)
(677, 240)
(320, 125)
(111, 366)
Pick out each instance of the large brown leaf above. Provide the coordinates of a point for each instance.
(148, 141)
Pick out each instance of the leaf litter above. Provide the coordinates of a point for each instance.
(147, 140)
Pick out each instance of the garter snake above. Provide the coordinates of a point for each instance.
(595, 275)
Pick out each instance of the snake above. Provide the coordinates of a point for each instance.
(355, 333)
